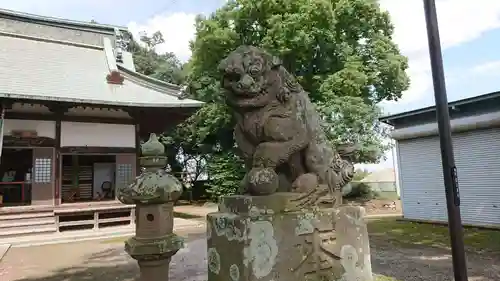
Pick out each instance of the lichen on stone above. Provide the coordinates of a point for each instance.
(151, 187)
(209, 231)
(224, 225)
(254, 212)
(220, 225)
(260, 254)
(353, 271)
(234, 272)
(305, 223)
(213, 260)
(234, 233)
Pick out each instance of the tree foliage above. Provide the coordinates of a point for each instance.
(226, 170)
(360, 174)
(341, 51)
(165, 67)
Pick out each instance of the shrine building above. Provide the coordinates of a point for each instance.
(74, 111)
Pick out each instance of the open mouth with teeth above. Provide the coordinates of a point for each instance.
(250, 92)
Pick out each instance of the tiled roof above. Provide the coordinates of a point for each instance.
(467, 107)
(58, 21)
(41, 69)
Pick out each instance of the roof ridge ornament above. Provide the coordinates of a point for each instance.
(184, 92)
(120, 45)
(114, 76)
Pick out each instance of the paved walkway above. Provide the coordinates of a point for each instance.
(4, 248)
(195, 210)
(103, 260)
(106, 261)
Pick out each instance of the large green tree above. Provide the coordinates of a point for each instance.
(340, 50)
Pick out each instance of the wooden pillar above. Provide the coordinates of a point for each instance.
(58, 111)
(138, 149)
(75, 169)
(57, 164)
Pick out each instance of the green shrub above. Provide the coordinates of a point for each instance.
(226, 171)
(361, 190)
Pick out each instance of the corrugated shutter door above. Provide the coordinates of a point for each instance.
(422, 191)
(478, 164)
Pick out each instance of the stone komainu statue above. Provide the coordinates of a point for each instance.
(278, 129)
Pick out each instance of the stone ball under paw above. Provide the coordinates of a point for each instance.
(262, 181)
(305, 183)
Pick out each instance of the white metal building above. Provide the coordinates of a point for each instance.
(476, 140)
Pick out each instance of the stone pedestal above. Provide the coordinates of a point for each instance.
(353, 244)
(268, 238)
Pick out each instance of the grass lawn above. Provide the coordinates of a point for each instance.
(422, 234)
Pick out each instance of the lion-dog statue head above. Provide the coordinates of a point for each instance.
(254, 78)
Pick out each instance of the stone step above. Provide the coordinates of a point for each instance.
(23, 216)
(26, 224)
(70, 236)
(26, 231)
(19, 222)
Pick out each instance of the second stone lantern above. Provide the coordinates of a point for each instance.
(154, 193)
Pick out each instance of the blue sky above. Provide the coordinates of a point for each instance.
(112, 12)
(464, 64)
(470, 35)
(471, 69)
(461, 59)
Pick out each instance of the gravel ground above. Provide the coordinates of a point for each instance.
(430, 264)
(106, 261)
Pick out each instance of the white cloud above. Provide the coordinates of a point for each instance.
(488, 68)
(177, 29)
(460, 21)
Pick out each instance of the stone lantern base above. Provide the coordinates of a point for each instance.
(267, 238)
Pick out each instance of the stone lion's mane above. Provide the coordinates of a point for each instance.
(288, 83)
(289, 80)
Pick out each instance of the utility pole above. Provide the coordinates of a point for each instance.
(447, 157)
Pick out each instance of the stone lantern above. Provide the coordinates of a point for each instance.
(153, 192)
